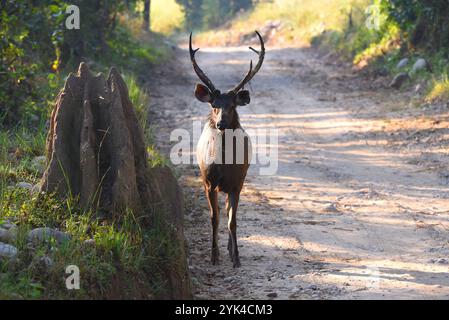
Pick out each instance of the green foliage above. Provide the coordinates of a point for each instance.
(192, 12)
(99, 19)
(355, 40)
(211, 13)
(27, 51)
(425, 23)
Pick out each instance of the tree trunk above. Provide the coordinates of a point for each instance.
(146, 15)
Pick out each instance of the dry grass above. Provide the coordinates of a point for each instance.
(166, 16)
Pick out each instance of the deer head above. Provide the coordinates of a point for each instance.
(224, 105)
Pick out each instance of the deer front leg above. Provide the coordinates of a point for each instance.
(215, 219)
(228, 210)
(233, 200)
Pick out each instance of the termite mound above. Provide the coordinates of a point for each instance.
(95, 147)
(96, 153)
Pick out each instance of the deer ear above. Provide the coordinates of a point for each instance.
(202, 93)
(242, 98)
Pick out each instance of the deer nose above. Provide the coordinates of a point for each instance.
(221, 125)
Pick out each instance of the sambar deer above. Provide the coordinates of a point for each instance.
(219, 170)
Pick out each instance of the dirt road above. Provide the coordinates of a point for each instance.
(345, 216)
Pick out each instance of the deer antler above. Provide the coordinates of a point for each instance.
(252, 72)
(198, 70)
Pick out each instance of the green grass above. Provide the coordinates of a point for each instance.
(140, 99)
(122, 250)
(17, 148)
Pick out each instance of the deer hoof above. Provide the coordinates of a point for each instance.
(236, 263)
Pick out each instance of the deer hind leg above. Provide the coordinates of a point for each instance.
(233, 200)
(212, 198)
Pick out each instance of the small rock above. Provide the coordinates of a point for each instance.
(332, 208)
(7, 225)
(229, 279)
(44, 234)
(8, 235)
(418, 88)
(36, 188)
(39, 164)
(46, 262)
(24, 185)
(34, 118)
(399, 80)
(89, 242)
(272, 295)
(43, 264)
(324, 97)
(401, 64)
(420, 64)
(382, 72)
(7, 251)
(312, 287)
